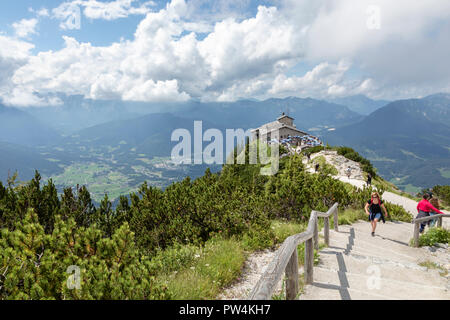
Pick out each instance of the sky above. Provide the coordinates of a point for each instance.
(224, 50)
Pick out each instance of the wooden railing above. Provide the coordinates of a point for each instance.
(418, 221)
(286, 258)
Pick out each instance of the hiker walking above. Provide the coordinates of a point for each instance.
(369, 179)
(424, 207)
(349, 172)
(373, 210)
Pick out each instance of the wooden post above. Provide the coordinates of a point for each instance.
(309, 261)
(292, 276)
(326, 230)
(439, 224)
(316, 234)
(336, 222)
(416, 234)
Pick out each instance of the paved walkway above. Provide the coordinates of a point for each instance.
(359, 266)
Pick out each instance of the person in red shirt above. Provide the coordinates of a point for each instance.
(423, 208)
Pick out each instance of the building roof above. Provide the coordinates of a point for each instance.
(284, 116)
(276, 125)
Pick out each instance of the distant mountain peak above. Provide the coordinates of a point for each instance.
(439, 95)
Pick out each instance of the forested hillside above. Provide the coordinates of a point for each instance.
(124, 253)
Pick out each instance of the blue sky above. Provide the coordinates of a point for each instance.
(49, 35)
(222, 50)
(97, 31)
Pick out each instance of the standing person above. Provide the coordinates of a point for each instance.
(349, 172)
(435, 203)
(373, 210)
(369, 179)
(423, 208)
(317, 167)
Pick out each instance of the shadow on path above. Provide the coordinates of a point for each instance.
(343, 287)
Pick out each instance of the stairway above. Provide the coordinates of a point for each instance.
(358, 266)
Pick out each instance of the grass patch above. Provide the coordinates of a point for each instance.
(198, 274)
(284, 229)
(432, 265)
(282, 294)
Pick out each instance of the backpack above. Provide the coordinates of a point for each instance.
(382, 214)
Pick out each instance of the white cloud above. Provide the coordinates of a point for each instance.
(324, 80)
(93, 9)
(25, 27)
(23, 98)
(14, 54)
(69, 13)
(114, 9)
(410, 48)
(249, 57)
(43, 13)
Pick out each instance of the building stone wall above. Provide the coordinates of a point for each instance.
(282, 128)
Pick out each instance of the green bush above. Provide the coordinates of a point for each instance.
(397, 213)
(258, 238)
(310, 151)
(34, 264)
(434, 236)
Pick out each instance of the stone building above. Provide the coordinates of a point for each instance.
(282, 128)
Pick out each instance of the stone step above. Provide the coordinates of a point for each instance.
(324, 292)
(396, 238)
(388, 229)
(372, 250)
(376, 285)
(377, 245)
(389, 269)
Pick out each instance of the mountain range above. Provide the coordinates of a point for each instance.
(360, 103)
(407, 140)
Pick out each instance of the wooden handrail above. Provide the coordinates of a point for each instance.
(436, 216)
(418, 221)
(286, 258)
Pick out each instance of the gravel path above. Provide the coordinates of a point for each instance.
(254, 268)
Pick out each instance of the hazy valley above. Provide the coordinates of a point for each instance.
(408, 141)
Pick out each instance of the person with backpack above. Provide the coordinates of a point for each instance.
(374, 209)
(424, 207)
